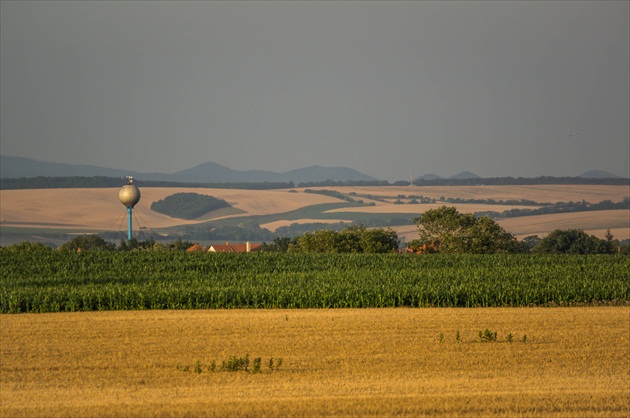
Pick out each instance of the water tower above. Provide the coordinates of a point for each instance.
(129, 195)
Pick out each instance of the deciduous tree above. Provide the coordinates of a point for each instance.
(445, 230)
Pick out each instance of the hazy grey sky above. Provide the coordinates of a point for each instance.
(497, 88)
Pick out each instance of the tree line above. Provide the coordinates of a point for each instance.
(441, 231)
(445, 230)
(95, 182)
(45, 182)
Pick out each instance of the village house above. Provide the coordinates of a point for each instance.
(234, 248)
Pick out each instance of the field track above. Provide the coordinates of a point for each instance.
(574, 362)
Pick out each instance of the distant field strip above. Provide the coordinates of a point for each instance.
(618, 221)
(540, 193)
(53, 281)
(416, 209)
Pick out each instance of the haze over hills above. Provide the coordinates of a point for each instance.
(17, 167)
(599, 174)
(211, 172)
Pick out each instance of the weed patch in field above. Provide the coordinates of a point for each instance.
(233, 364)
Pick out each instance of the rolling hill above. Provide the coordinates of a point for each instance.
(33, 214)
(210, 172)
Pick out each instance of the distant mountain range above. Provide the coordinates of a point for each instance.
(599, 174)
(466, 175)
(18, 167)
(210, 172)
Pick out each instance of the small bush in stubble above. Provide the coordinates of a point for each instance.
(234, 364)
(487, 336)
(256, 366)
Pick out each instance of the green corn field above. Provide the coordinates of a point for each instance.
(55, 281)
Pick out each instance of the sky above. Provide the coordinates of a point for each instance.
(509, 88)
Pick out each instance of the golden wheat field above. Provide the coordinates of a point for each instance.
(561, 362)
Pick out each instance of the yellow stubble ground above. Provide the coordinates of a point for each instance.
(370, 362)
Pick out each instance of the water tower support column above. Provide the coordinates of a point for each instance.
(129, 223)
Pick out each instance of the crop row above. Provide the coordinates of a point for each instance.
(63, 281)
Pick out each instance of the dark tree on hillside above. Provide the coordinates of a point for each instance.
(573, 241)
(188, 205)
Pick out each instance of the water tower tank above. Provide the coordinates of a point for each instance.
(129, 194)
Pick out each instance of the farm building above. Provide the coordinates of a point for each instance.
(234, 248)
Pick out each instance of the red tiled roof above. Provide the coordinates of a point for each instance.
(196, 247)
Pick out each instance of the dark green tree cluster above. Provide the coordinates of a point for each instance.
(244, 231)
(87, 243)
(96, 243)
(31, 247)
(514, 181)
(445, 230)
(188, 205)
(333, 193)
(279, 244)
(559, 207)
(576, 241)
(297, 229)
(355, 239)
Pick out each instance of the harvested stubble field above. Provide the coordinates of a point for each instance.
(349, 362)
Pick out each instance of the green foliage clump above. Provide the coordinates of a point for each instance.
(188, 205)
(26, 246)
(333, 193)
(279, 244)
(447, 231)
(575, 241)
(87, 243)
(355, 239)
(234, 364)
(487, 336)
